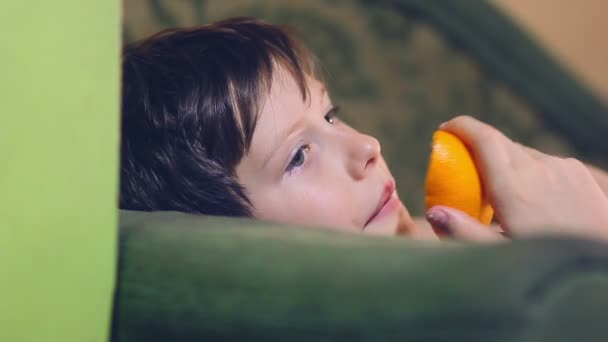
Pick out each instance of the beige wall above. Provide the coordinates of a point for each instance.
(574, 32)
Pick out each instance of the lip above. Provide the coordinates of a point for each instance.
(387, 203)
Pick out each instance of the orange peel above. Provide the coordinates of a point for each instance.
(452, 178)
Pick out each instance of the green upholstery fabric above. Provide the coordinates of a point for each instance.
(188, 278)
(398, 68)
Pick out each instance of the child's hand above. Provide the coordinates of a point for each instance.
(531, 192)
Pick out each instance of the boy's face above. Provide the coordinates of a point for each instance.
(306, 167)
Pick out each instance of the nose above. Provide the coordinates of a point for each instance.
(364, 154)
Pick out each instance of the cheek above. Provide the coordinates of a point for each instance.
(317, 204)
(328, 206)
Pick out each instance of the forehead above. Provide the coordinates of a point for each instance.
(285, 90)
(284, 105)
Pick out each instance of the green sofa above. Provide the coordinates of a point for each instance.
(188, 278)
(398, 68)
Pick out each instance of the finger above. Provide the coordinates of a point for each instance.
(497, 228)
(493, 152)
(450, 222)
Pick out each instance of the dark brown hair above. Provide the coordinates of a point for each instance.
(190, 101)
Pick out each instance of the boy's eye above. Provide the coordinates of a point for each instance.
(332, 115)
(299, 158)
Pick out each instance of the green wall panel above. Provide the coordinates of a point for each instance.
(59, 107)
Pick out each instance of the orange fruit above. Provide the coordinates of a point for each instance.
(452, 179)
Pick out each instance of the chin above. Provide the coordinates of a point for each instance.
(399, 223)
(405, 224)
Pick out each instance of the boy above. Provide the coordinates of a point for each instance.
(233, 119)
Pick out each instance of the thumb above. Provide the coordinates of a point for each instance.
(450, 222)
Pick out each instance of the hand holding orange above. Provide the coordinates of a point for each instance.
(452, 179)
(532, 193)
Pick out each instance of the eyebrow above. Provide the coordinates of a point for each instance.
(333, 109)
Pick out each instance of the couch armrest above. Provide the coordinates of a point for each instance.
(189, 278)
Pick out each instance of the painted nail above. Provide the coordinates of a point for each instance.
(438, 218)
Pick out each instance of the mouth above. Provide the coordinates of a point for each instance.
(388, 201)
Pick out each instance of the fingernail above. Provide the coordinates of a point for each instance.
(443, 124)
(438, 218)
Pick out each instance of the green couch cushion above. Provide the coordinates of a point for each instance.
(189, 278)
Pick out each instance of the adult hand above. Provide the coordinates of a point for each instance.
(601, 177)
(531, 192)
(452, 223)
